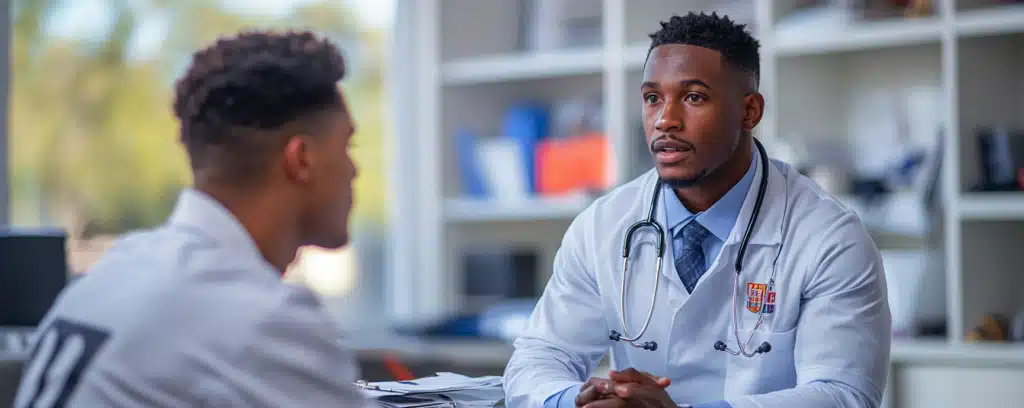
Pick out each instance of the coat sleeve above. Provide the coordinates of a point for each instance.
(844, 331)
(566, 335)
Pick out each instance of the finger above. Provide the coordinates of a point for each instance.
(593, 390)
(629, 375)
(588, 394)
(627, 390)
(634, 391)
(632, 375)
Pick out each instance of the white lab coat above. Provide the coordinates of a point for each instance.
(830, 332)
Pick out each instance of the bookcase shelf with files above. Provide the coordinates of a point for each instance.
(520, 112)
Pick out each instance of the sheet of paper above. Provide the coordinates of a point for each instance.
(440, 383)
(442, 390)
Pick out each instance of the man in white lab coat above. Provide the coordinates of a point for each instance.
(771, 294)
(193, 313)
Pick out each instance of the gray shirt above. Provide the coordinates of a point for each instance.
(188, 315)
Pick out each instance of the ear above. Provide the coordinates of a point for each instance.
(297, 159)
(753, 110)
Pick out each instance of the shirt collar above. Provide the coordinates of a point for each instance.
(720, 218)
(199, 211)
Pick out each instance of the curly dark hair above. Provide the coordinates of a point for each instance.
(242, 91)
(721, 34)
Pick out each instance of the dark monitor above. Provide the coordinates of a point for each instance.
(33, 271)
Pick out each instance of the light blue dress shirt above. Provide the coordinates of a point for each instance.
(719, 219)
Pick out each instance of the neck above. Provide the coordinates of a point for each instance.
(276, 237)
(702, 196)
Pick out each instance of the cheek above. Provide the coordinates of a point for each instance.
(649, 116)
(702, 124)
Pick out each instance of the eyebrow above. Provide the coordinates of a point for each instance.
(684, 83)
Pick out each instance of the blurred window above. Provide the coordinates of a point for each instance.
(93, 144)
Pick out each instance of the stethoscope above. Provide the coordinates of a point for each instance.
(651, 223)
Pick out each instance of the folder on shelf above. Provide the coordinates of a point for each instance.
(527, 124)
(572, 165)
(473, 183)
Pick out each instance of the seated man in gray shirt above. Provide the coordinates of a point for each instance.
(193, 313)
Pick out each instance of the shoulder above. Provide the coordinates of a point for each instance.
(291, 350)
(824, 228)
(294, 332)
(291, 305)
(293, 317)
(183, 253)
(815, 212)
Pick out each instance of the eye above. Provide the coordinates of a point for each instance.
(651, 98)
(694, 98)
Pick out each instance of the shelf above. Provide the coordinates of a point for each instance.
(851, 86)
(990, 91)
(523, 66)
(942, 352)
(992, 206)
(533, 209)
(862, 36)
(897, 214)
(991, 20)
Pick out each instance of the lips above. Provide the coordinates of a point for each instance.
(667, 151)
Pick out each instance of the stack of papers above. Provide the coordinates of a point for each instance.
(443, 390)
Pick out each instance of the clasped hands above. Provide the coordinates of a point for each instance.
(628, 388)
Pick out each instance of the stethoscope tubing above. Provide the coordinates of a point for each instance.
(650, 222)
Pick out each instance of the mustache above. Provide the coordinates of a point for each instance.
(671, 141)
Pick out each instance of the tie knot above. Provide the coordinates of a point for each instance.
(694, 233)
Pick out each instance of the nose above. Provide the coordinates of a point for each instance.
(670, 118)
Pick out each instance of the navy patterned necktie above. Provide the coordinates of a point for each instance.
(690, 263)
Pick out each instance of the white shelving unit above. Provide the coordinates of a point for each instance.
(464, 68)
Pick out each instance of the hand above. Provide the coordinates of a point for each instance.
(632, 375)
(601, 392)
(638, 395)
(641, 389)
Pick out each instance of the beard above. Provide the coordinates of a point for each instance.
(702, 175)
(684, 182)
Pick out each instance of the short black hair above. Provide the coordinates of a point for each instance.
(721, 34)
(238, 92)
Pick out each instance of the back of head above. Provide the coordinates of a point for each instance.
(243, 96)
(266, 126)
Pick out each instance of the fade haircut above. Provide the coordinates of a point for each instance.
(721, 34)
(243, 96)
